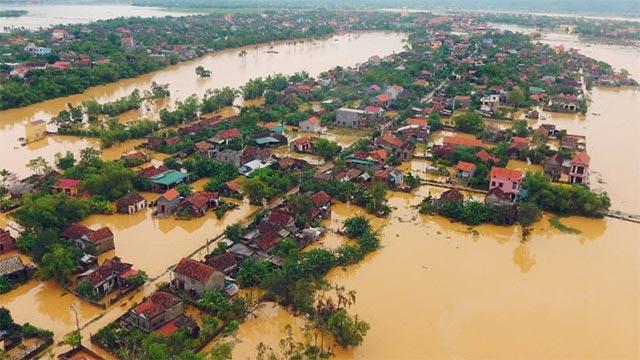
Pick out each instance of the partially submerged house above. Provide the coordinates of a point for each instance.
(198, 203)
(508, 180)
(195, 277)
(131, 203)
(82, 236)
(111, 274)
(168, 202)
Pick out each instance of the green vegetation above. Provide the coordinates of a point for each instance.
(266, 184)
(13, 13)
(555, 222)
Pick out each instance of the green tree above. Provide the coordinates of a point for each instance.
(59, 264)
(469, 122)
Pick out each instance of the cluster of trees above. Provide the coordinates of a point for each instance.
(565, 200)
(297, 282)
(266, 184)
(373, 198)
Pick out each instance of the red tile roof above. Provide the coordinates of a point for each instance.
(100, 234)
(266, 241)
(320, 198)
(392, 140)
(194, 270)
(383, 97)
(75, 231)
(314, 120)
(418, 121)
(167, 329)
(228, 134)
(68, 183)
(155, 305)
(200, 199)
(511, 174)
(461, 141)
(581, 159)
(222, 262)
(485, 156)
(171, 194)
(279, 217)
(466, 166)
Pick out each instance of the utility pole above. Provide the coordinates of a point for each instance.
(75, 311)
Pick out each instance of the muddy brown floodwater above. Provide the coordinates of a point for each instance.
(442, 290)
(229, 69)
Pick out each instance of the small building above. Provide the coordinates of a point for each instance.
(230, 156)
(579, 172)
(322, 204)
(383, 100)
(508, 180)
(497, 197)
(486, 157)
(37, 50)
(67, 186)
(205, 149)
(490, 103)
(197, 204)
(248, 168)
(7, 242)
(167, 180)
(303, 144)
(156, 310)
(402, 150)
(111, 274)
(311, 125)
(465, 170)
(35, 130)
(225, 136)
(196, 277)
(225, 263)
(351, 118)
(451, 195)
(232, 188)
(102, 239)
(461, 142)
(168, 202)
(130, 204)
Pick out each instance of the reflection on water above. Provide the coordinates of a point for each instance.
(440, 290)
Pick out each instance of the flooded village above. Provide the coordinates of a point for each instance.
(472, 181)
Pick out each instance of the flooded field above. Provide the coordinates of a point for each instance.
(313, 56)
(485, 293)
(43, 16)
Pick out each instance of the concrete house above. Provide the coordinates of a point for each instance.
(198, 203)
(195, 277)
(82, 236)
(108, 276)
(465, 170)
(7, 242)
(156, 310)
(579, 172)
(508, 180)
(168, 202)
(351, 118)
(311, 125)
(131, 204)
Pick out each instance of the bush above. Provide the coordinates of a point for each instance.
(29, 331)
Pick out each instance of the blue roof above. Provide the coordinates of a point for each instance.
(169, 178)
(266, 140)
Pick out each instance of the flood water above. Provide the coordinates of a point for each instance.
(312, 56)
(442, 290)
(43, 16)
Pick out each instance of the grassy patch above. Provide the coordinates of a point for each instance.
(555, 222)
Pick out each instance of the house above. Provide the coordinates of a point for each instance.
(389, 176)
(497, 197)
(465, 170)
(373, 113)
(230, 156)
(225, 136)
(579, 172)
(196, 277)
(383, 100)
(13, 269)
(111, 274)
(311, 125)
(461, 142)
(303, 144)
(322, 204)
(168, 202)
(167, 180)
(490, 103)
(394, 91)
(518, 146)
(158, 309)
(7, 242)
(400, 149)
(553, 167)
(461, 101)
(254, 165)
(413, 132)
(35, 130)
(572, 143)
(281, 219)
(351, 118)
(205, 149)
(266, 241)
(37, 50)
(197, 204)
(486, 157)
(451, 195)
(367, 159)
(508, 180)
(130, 203)
(59, 34)
(82, 236)
(67, 186)
(275, 127)
(225, 263)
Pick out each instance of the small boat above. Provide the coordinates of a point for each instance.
(595, 114)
